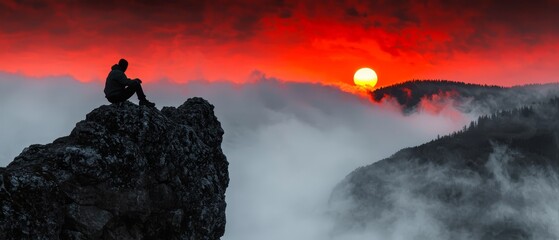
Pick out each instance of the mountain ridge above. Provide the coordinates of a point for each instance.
(465, 97)
(483, 182)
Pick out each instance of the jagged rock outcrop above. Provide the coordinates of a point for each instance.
(125, 172)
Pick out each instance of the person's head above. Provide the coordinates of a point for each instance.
(123, 64)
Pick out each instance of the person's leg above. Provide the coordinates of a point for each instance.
(129, 91)
(137, 88)
(123, 96)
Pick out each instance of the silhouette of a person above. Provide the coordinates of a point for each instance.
(119, 88)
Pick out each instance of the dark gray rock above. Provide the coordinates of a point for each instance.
(125, 172)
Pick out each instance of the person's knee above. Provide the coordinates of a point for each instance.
(135, 85)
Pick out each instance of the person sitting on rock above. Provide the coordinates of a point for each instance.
(119, 88)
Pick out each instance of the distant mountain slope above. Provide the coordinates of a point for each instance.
(496, 179)
(464, 97)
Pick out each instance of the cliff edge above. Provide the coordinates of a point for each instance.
(125, 172)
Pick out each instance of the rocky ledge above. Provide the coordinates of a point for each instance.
(125, 172)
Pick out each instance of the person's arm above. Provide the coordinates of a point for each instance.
(122, 79)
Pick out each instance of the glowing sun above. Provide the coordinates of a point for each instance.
(365, 78)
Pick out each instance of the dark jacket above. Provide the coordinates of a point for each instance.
(116, 81)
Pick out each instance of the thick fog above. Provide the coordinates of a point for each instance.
(288, 144)
(40, 110)
(432, 201)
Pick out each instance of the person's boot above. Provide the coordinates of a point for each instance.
(145, 102)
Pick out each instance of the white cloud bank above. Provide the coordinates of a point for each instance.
(288, 144)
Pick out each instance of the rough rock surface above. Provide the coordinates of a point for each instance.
(125, 172)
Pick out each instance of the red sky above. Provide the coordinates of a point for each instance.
(479, 41)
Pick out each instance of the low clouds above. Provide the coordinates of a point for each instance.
(40, 110)
(288, 144)
(433, 201)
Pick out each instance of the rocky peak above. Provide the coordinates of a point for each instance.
(125, 172)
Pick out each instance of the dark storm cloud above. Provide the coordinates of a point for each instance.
(140, 17)
(470, 25)
(412, 25)
(500, 22)
(351, 11)
(517, 16)
(524, 17)
(17, 17)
